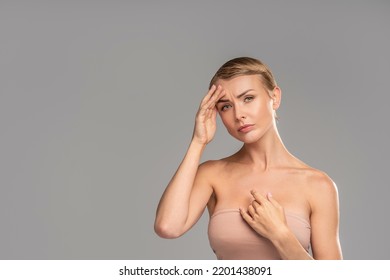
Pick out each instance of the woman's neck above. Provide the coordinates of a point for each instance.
(268, 152)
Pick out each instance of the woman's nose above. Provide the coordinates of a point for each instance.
(239, 114)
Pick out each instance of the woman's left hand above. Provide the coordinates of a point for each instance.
(265, 215)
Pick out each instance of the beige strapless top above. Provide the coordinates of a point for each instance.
(231, 238)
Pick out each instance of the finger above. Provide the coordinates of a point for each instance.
(246, 216)
(255, 204)
(206, 109)
(252, 210)
(272, 200)
(258, 197)
(209, 94)
(209, 113)
(212, 113)
(214, 99)
(209, 102)
(217, 89)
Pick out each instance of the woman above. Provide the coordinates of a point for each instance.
(263, 202)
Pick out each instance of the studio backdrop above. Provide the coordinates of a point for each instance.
(98, 102)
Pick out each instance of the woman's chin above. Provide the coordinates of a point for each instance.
(247, 139)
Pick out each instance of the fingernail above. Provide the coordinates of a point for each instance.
(269, 194)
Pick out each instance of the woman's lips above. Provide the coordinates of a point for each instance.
(245, 128)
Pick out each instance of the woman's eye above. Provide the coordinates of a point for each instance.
(248, 98)
(225, 107)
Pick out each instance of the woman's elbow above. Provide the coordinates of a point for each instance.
(166, 231)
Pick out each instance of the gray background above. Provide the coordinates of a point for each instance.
(97, 104)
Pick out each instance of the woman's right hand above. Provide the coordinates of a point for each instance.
(205, 122)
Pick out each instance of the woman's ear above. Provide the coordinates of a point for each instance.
(276, 97)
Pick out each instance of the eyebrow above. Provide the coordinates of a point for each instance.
(238, 96)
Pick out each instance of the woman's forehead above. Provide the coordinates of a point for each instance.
(240, 84)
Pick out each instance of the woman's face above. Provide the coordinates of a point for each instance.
(246, 108)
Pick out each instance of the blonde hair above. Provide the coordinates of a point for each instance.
(241, 66)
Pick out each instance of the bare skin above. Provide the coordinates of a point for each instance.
(262, 179)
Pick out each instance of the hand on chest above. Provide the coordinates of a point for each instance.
(233, 190)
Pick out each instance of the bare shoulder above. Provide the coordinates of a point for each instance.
(219, 165)
(211, 167)
(320, 182)
(314, 180)
(321, 188)
(209, 164)
(212, 170)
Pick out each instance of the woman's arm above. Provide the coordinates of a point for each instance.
(189, 190)
(325, 220)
